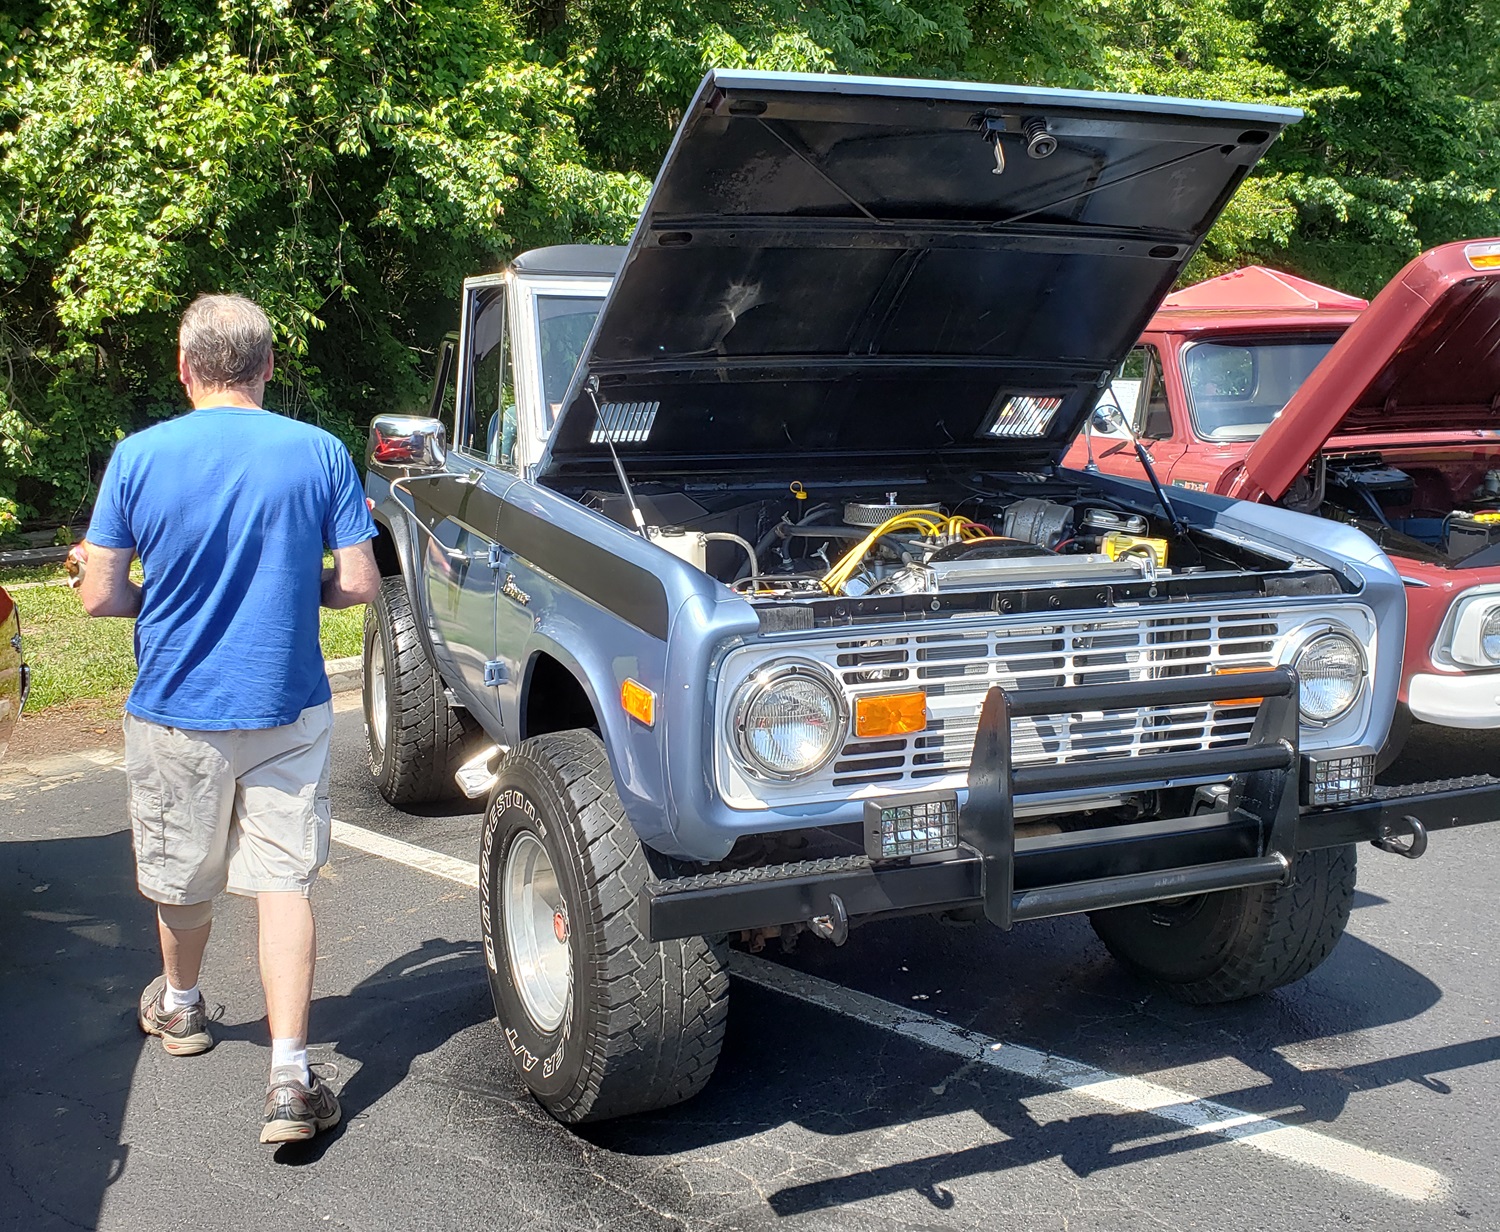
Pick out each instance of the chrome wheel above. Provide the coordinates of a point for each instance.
(536, 932)
(379, 718)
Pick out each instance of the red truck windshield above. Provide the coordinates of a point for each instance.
(1235, 389)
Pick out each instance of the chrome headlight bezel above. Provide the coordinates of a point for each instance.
(1326, 635)
(1461, 641)
(755, 687)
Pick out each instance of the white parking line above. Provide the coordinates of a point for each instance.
(435, 862)
(1307, 1147)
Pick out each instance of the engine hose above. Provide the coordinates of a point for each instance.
(768, 539)
(723, 536)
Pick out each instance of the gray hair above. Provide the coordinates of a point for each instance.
(225, 339)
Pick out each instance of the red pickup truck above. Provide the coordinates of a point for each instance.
(1385, 415)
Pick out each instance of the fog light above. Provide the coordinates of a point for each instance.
(901, 826)
(1338, 780)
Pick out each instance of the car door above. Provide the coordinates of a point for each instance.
(460, 505)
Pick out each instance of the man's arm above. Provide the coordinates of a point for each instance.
(106, 588)
(354, 577)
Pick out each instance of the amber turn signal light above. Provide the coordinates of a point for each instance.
(1238, 671)
(890, 714)
(639, 702)
(1483, 256)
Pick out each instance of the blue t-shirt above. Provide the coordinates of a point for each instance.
(229, 509)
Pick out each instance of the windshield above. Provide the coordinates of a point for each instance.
(1235, 389)
(564, 323)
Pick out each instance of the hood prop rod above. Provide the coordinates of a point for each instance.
(1110, 418)
(609, 439)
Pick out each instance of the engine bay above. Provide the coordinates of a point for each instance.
(923, 539)
(1422, 504)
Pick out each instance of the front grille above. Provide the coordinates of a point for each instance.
(957, 669)
(957, 663)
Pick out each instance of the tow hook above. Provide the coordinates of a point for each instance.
(1408, 838)
(835, 925)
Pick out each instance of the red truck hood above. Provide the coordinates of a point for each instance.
(1423, 358)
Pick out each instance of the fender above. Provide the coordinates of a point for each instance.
(636, 753)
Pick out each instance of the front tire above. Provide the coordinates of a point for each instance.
(1213, 948)
(416, 740)
(599, 1021)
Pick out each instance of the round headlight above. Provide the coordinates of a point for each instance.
(789, 719)
(1332, 670)
(1489, 636)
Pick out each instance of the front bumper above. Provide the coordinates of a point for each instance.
(1455, 701)
(1253, 840)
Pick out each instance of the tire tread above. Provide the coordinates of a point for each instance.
(429, 739)
(662, 1006)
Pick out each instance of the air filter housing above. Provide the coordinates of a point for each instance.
(857, 513)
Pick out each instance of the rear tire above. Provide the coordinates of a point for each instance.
(599, 1021)
(416, 740)
(1213, 948)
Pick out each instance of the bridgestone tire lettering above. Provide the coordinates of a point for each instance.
(1214, 948)
(645, 1020)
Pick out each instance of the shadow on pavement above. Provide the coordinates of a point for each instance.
(786, 1062)
(77, 944)
(410, 1007)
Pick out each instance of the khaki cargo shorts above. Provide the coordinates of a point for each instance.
(244, 811)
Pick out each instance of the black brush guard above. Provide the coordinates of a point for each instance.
(1254, 840)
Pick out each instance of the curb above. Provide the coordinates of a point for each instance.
(32, 556)
(345, 675)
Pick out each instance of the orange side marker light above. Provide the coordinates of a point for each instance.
(638, 702)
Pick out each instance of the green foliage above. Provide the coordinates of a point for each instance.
(346, 163)
(345, 166)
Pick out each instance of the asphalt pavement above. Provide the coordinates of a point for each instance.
(922, 1076)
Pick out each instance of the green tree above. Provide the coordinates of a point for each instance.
(344, 165)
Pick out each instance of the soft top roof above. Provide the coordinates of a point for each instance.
(831, 269)
(572, 260)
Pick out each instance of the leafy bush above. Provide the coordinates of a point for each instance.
(347, 162)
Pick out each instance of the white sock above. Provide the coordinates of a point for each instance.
(290, 1054)
(179, 998)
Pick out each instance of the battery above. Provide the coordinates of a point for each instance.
(1117, 544)
(1471, 532)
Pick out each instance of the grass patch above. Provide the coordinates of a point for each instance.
(26, 575)
(75, 658)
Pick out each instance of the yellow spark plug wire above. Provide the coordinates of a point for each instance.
(927, 521)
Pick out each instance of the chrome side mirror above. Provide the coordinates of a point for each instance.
(1108, 418)
(411, 444)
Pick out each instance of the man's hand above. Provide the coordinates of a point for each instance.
(105, 587)
(77, 563)
(354, 577)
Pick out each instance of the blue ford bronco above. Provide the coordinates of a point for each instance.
(737, 570)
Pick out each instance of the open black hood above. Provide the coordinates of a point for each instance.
(829, 270)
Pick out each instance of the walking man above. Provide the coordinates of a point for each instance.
(230, 508)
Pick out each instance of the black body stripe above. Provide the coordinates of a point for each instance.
(634, 594)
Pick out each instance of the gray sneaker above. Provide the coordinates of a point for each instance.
(296, 1110)
(183, 1032)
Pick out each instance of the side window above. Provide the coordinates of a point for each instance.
(444, 381)
(486, 427)
(1124, 390)
(1155, 422)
